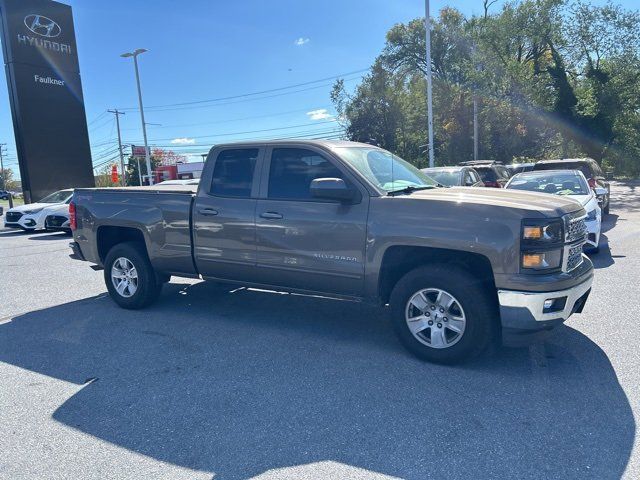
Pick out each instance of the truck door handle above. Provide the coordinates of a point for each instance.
(271, 215)
(208, 211)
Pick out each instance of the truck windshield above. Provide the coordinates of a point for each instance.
(385, 170)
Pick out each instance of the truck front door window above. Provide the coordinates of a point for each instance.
(292, 171)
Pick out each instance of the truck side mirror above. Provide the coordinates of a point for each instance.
(331, 189)
(600, 192)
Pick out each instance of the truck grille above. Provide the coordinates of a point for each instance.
(13, 216)
(574, 257)
(575, 237)
(576, 229)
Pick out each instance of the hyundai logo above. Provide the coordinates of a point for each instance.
(43, 26)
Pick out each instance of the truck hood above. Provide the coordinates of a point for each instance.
(545, 204)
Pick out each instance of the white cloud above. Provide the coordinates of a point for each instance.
(183, 141)
(301, 41)
(320, 114)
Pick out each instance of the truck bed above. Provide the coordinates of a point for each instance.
(161, 213)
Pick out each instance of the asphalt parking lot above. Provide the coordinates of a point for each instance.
(212, 382)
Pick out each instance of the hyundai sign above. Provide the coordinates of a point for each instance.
(49, 121)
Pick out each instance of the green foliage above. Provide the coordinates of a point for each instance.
(551, 78)
(8, 182)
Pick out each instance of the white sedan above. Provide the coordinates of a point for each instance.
(32, 216)
(569, 183)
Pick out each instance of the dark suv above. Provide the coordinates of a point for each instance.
(493, 174)
(4, 195)
(592, 172)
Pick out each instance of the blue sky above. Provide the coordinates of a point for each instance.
(203, 49)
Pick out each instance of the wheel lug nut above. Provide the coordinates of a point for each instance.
(430, 322)
(441, 310)
(439, 325)
(445, 319)
(427, 314)
(433, 307)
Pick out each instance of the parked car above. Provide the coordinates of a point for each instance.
(57, 218)
(570, 183)
(350, 221)
(515, 168)
(455, 176)
(493, 174)
(592, 172)
(4, 195)
(31, 216)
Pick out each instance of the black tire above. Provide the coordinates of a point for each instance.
(147, 285)
(477, 301)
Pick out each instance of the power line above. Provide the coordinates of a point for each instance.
(308, 134)
(229, 134)
(269, 115)
(97, 118)
(251, 94)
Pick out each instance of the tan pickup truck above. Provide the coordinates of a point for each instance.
(458, 267)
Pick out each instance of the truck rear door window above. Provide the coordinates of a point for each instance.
(233, 172)
(292, 171)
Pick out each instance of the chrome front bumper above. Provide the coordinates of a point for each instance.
(520, 309)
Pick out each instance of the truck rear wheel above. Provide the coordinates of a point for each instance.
(442, 314)
(129, 276)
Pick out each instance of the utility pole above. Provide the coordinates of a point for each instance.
(427, 24)
(117, 114)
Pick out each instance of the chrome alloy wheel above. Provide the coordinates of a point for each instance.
(435, 318)
(124, 277)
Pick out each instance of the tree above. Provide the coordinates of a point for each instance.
(552, 78)
(167, 157)
(8, 182)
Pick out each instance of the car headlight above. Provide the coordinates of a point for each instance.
(31, 212)
(591, 216)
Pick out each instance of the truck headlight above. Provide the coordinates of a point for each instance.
(591, 216)
(548, 260)
(542, 232)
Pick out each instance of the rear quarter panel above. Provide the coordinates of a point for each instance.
(163, 218)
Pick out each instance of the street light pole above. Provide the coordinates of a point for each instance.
(135, 54)
(427, 24)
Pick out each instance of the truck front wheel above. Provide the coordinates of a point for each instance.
(443, 314)
(129, 276)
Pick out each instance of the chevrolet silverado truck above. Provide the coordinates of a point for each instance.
(458, 267)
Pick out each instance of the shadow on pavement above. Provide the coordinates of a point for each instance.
(603, 258)
(241, 382)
